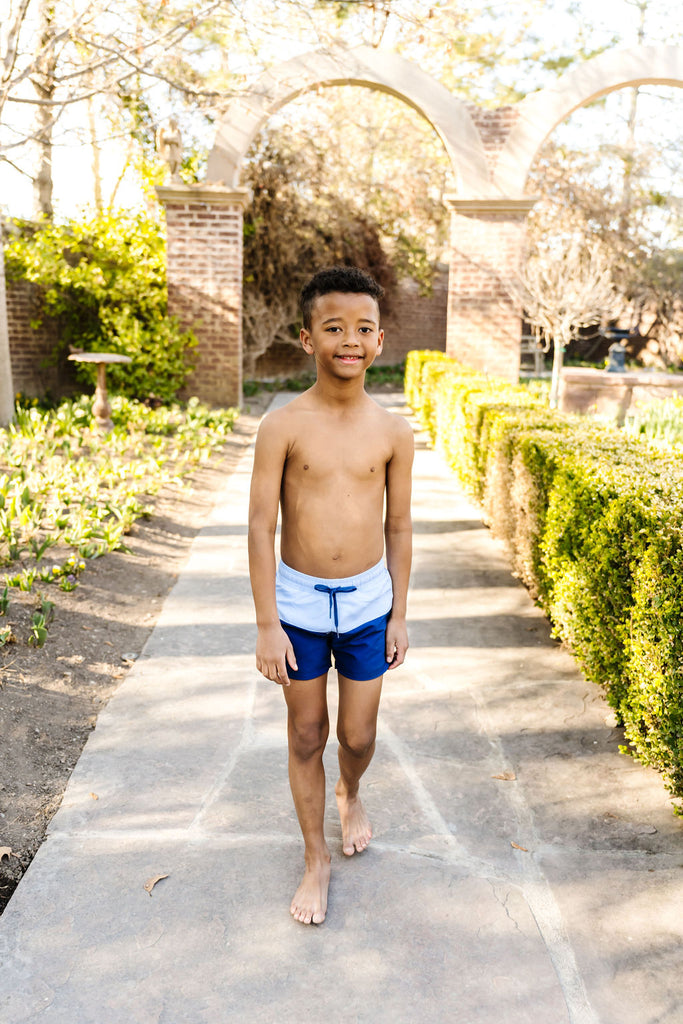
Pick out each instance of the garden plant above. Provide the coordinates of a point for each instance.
(69, 494)
(593, 519)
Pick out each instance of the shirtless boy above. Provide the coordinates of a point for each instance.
(330, 459)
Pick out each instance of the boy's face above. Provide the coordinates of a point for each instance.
(345, 336)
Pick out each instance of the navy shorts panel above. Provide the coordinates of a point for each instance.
(359, 654)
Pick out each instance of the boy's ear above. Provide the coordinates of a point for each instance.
(380, 341)
(305, 339)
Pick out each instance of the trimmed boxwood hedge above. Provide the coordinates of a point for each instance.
(593, 520)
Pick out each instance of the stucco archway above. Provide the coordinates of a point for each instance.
(362, 66)
(541, 112)
(491, 153)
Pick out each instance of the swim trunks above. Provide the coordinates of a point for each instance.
(344, 617)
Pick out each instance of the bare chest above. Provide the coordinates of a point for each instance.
(331, 460)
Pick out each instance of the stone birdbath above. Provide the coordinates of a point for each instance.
(101, 408)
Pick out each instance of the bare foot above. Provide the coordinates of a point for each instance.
(356, 830)
(310, 900)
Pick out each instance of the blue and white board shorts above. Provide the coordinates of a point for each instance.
(344, 617)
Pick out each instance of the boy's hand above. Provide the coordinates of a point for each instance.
(274, 652)
(396, 642)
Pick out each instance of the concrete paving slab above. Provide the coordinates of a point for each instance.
(443, 918)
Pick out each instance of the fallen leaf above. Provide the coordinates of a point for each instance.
(6, 851)
(151, 882)
(86, 627)
(94, 796)
(505, 777)
(518, 847)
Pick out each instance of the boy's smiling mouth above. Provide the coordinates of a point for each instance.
(349, 358)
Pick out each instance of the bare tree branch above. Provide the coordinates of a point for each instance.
(564, 286)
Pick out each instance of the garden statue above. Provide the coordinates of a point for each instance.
(169, 147)
(617, 358)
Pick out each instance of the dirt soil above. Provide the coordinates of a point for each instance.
(50, 696)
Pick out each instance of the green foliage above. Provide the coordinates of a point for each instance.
(65, 487)
(593, 521)
(290, 231)
(39, 623)
(659, 421)
(103, 282)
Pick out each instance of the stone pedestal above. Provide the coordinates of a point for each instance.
(588, 390)
(204, 273)
(484, 322)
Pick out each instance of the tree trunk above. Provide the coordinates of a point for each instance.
(558, 360)
(96, 151)
(44, 83)
(6, 387)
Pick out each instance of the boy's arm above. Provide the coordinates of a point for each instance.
(398, 533)
(273, 647)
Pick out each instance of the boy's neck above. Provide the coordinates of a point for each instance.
(340, 392)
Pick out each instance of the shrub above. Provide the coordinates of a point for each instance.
(593, 520)
(103, 281)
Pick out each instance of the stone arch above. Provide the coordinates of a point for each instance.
(540, 112)
(491, 153)
(362, 66)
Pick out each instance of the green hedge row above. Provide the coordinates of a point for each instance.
(593, 520)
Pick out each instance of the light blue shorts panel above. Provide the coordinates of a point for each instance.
(332, 605)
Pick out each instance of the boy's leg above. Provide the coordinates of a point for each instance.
(307, 731)
(356, 731)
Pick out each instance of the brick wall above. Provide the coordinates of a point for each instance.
(484, 326)
(204, 261)
(414, 320)
(31, 347)
(494, 126)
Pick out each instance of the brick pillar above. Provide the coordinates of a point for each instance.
(484, 324)
(204, 274)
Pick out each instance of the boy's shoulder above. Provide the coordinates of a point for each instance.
(287, 422)
(288, 411)
(280, 423)
(394, 422)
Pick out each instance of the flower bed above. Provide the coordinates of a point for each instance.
(70, 494)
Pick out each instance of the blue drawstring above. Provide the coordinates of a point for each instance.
(333, 591)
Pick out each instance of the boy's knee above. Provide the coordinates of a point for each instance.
(308, 738)
(357, 743)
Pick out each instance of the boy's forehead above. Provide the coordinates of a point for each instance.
(344, 304)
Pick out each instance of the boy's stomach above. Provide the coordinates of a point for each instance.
(331, 557)
(340, 537)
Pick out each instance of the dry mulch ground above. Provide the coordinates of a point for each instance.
(50, 696)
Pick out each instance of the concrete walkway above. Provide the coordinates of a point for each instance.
(523, 870)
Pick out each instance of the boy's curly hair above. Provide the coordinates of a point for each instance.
(337, 279)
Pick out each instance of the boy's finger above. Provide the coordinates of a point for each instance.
(291, 659)
(281, 677)
(398, 656)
